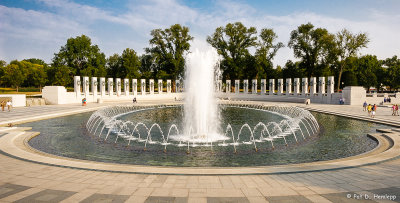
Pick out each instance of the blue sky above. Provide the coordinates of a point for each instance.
(38, 28)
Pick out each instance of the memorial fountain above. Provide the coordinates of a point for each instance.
(201, 126)
(202, 130)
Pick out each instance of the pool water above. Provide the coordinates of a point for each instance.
(339, 137)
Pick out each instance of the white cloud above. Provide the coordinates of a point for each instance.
(43, 31)
(161, 12)
(77, 11)
(40, 34)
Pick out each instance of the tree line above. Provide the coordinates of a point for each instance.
(246, 54)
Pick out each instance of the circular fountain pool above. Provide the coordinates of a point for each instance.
(276, 124)
(337, 137)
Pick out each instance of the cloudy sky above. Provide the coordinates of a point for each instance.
(38, 28)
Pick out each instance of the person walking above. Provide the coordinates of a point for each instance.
(3, 105)
(397, 109)
(9, 105)
(84, 102)
(373, 111)
(365, 106)
(369, 108)
(393, 110)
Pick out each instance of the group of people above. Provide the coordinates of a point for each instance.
(395, 110)
(387, 100)
(370, 108)
(4, 104)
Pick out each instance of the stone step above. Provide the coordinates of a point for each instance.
(396, 129)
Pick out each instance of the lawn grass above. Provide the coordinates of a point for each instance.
(21, 90)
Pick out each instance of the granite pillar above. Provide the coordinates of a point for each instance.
(271, 86)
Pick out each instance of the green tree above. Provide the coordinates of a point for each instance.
(81, 56)
(350, 78)
(113, 65)
(381, 77)
(366, 70)
(250, 69)
(148, 70)
(60, 75)
(278, 72)
(2, 65)
(348, 45)
(393, 72)
(265, 52)
(26, 68)
(292, 70)
(36, 61)
(314, 47)
(168, 48)
(14, 75)
(232, 42)
(125, 66)
(37, 73)
(38, 76)
(130, 64)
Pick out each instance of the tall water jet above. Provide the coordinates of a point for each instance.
(201, 110)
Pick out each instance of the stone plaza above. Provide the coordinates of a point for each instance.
(31, 176)
(199, 101)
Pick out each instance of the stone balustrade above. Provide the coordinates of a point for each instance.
(285, 87)
(316, 89)
(110, 87)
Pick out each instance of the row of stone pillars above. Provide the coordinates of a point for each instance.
(115, 87)
(304, 88)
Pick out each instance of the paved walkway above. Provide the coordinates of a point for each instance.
(383, 114)
(24, 114)
(27, 114)
(28, 182)
(23, 181)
